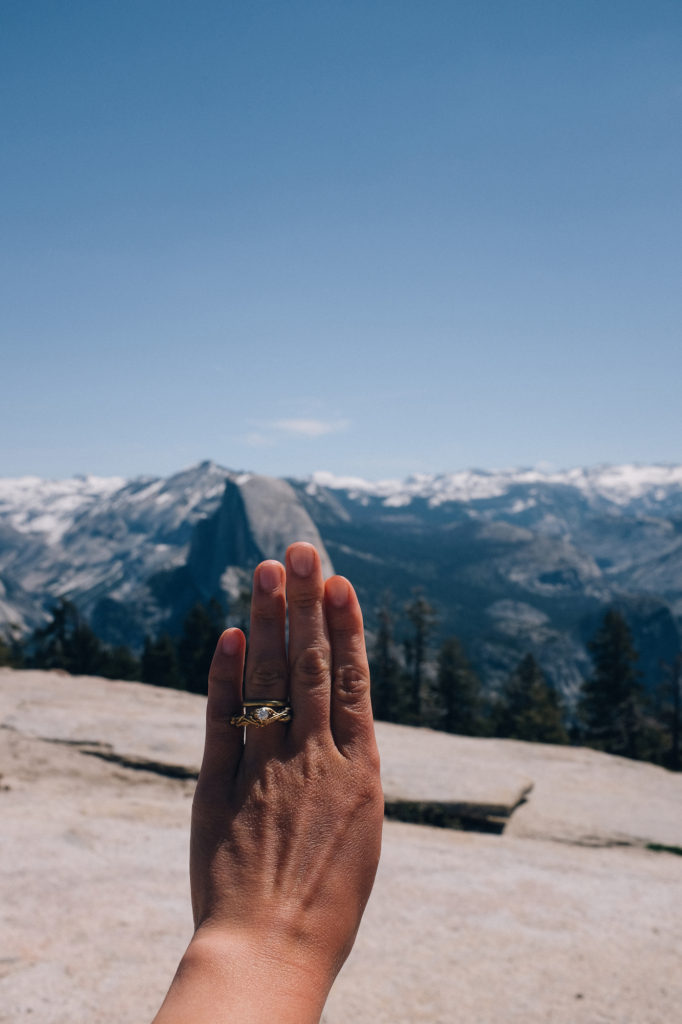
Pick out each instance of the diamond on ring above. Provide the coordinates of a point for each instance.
(260, 713)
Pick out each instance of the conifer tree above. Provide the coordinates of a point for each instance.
(670, 714)
(457, 691)
(120, 663)
(12, 648)
(528, 708)
(422, 617)
(611, 703)
(160, 665)
(388, 697)
(48, 643)
(200, 632)
(68, 642)
(5, 652)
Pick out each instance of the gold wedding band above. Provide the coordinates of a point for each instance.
(262, 712)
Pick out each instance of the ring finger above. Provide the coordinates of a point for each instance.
(266, 663)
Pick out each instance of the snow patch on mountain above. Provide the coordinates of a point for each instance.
(47, 508)
(618, 485)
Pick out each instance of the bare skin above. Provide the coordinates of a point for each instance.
(286, 828)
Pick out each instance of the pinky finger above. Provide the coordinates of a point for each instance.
(224, 742)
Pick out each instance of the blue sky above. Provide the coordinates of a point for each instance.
(368, 237)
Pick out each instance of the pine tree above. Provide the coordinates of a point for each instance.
(120, 663)
(457, 696)
(68, 642)
(200, 632)
(49, 643)
(5, 652)
(528, 708)
(12, 648)
(670, 714)
(422, 617)
(160, 665)
(388, 697)
(611, 705)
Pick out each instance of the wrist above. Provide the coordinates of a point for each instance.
(251, 983)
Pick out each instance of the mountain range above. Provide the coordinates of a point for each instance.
(512, 561)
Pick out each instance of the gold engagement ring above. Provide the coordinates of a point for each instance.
(262, 712)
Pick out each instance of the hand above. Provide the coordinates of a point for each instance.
(286, 827)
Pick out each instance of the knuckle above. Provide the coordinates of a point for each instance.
(351, 683)
(373, 762)
(273, 777)
(264, 614)
(267, 676)
(217, 713)
(349, 637)
(312, 665)
(306, 600)
(258, 804)
(368, 791)
(215, 721)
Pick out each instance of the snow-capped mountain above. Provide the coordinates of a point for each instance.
(513, 560)
(519, 560)
(626, 486)
(134, 554)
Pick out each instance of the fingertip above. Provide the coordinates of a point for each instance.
(223, 742)
(302, 557)
(269, 576)
(352, 725)
(231, 642)
(342, 605)
(227, 664)
(338, 592)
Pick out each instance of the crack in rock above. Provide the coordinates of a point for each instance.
(105, 751)
(459, 816)
(463, 817)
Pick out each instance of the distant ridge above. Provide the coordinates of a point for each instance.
(36, 504)
(619, 484)
(514, 561)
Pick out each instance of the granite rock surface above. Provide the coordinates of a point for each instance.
(565, 917)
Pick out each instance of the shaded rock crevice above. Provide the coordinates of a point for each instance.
(105, 751)
(463, 817)
(578, 797)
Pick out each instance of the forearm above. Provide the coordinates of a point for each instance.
(221, 982)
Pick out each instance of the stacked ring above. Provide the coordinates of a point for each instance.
(262, 712)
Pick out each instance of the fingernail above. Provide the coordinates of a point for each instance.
(302, 558)
(269, 576)
(230, 642)
(337, 589)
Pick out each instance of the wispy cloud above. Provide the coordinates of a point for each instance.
(273, 432)
(310, 427)
(256, 439)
